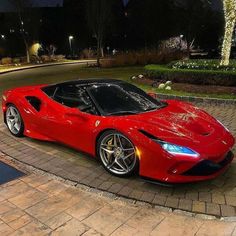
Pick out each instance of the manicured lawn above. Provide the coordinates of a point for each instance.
(55, 74)
(70, 72)
(126, 73)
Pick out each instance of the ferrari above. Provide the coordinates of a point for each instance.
(130, 131)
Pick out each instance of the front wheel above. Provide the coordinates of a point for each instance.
(117, 154)
(14, 121)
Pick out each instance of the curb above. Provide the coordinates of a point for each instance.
(27, 168)
(46, 65)
(215, 101)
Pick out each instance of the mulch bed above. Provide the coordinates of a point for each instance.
(193, 88)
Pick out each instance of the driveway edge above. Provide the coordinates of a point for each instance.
(216, 101)
(48, 65)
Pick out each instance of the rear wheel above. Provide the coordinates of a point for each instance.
(117, 154)
(14, 121)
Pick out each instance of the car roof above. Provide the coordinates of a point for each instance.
(89, 82)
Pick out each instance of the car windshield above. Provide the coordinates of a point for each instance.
(122, 99)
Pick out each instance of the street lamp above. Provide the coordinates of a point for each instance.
(70, 42)
(180, 41)
(3, 36)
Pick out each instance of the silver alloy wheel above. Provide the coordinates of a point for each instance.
(13, 120)
(117, 154)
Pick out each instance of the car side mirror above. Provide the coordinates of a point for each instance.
(152, 94)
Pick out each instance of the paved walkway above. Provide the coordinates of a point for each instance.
(41, 205)
(216, 197)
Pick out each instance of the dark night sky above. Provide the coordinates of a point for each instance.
(125, 2)
(5, 6)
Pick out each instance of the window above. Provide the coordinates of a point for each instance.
(122, 99)
(72, 96)
(50, 90)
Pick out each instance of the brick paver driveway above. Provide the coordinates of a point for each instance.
(216, 197)
(40, 205)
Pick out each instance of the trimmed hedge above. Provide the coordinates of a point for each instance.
(200, 64)
(191, 76)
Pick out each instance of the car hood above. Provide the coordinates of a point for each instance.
(180, 121)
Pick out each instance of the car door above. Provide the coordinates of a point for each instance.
(65, 123)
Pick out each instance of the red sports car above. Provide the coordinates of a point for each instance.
(128, 130)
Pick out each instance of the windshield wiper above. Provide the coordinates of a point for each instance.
(123, 113)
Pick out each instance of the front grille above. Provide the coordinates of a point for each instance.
(208, 167)
(229, 157)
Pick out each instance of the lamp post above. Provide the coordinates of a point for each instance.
(3, 36)
(70, 42)
(180, 41)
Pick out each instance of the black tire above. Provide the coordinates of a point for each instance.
(17, 133)
(134, 167)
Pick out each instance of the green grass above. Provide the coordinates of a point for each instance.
(125, 73)
(63, 73)
(49, 75)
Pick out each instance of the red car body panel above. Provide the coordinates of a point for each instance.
(179, 123)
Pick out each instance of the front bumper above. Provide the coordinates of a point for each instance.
(173, 170)
(208, 167)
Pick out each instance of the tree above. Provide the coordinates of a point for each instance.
(25, 15)
(230, 17)
(98, 17)
(192, 18)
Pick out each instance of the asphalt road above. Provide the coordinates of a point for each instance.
(40, 75)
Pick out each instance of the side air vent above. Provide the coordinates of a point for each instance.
(34, 102)
(147, 134)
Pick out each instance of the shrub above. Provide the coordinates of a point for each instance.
(34, 59)
(16, 60)
(23, 59)
(59, 57)
(6, 61)
(192, 76)
(144, 57)
(107, 63)
(87, 53)
(45, 58)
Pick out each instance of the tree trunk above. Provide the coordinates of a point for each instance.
(102, 52)
(188, 48)
(230, 16)
(98, 52)
(27, 51)
(227, 43)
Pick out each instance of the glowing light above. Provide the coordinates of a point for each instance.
(230, 17)
(138, 153)
(34, 49)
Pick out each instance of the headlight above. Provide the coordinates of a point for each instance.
(223, 125)
(172, 148)
(177, 150)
